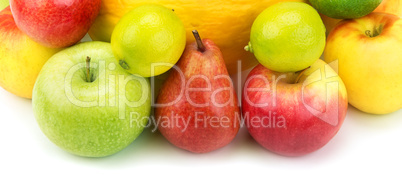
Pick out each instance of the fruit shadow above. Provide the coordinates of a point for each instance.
(151, 148)
(373, 121)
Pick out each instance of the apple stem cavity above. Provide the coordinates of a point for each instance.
(200, 45)
(376, 31)
(88, 67)
(369, 34)
(300, 75)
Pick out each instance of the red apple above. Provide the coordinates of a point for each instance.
(296, 113)
(21, 58)
(386, 6)
(55, 23)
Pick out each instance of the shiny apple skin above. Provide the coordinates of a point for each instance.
(55, 23)
(369, 64)
(303, 132)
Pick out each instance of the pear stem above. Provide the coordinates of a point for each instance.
(200, 45)
(88, 61)
(300, 75)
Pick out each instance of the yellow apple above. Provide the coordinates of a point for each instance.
(391, 7)
(387, 6)
(21, 59)
(368, 50)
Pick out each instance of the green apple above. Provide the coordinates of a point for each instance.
(87, 104)
(4, 4)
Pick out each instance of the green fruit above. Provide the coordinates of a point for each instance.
(4, 4)
(92, 116)
(287, 37)
(149, 40)
(345, 9)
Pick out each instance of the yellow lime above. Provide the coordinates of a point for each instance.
(287, 37)
(148, 40)
(227, 23)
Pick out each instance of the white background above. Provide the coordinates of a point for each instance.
(367, 149)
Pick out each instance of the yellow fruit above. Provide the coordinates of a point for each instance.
(387, 6)
(368, 51)
(21, 59)
(227, 23)
(149, 40)
(291, 28)
(391, 7)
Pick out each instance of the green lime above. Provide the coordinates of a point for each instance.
(345, 9)
(287, 37)
(149, 40)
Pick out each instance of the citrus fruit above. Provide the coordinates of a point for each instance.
(227, 23)
(149, 40)
(387, 6)
(345, 9)
(287, 37)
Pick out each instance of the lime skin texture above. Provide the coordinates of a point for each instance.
(287, 37)
(149, 40)
(345, 9)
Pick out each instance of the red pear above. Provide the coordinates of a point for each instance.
(197, 108)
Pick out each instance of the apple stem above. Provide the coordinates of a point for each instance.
(200, 45)
(368, 33)
(88, 69)
(376, 31)
(300, 75)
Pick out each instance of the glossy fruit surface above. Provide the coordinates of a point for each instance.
(197, 105)
(227, 23)
(345, 9)
(55, 23)
(287, 37)
(149, 40)
(391, 7)
(21, 58)
(92, 117)
(387, 6)
(368, 51)
(294, 114)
